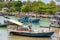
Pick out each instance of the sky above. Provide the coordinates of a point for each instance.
(46, 1)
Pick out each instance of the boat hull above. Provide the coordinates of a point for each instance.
(3, 25)
(33, 34)
(34, 20)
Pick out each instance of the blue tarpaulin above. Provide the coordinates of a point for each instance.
(24, 19)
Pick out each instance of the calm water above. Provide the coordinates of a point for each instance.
(4, 35)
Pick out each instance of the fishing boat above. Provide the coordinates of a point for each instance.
(26, 19)
(27, 30)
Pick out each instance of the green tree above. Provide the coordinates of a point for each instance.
(52, 6)
(1, 5)
(35, 6)
(38, 6)
(58, 8)
(26, 7)
(15, 5)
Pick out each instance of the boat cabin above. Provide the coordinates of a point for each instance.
(18, 28)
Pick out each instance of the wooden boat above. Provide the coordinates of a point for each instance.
(26, 31)
(33, 34)
(26, 19)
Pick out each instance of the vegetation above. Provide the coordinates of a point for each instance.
(35, 6)
(1, 4)
(14, 6)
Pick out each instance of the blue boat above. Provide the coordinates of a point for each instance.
(33, 34)
(34, 20)
(26, 19)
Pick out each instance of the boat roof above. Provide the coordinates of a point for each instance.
(14, 21)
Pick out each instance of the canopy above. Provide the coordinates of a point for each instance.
(14, 21)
